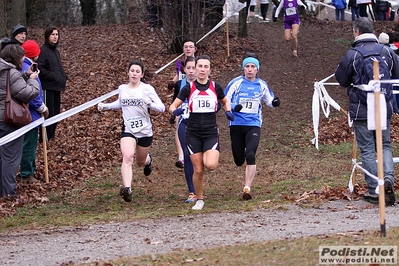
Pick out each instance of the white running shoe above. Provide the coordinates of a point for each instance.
(198, 205)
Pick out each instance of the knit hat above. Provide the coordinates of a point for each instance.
(383, 38)
(18, 29)
(252, 60)
(31, 48)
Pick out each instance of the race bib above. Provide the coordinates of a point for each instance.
(290, 11)
(186, 112)
(249, 105)
(137, 123)
(203, 104)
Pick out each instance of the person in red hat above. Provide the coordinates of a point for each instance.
(37, 108)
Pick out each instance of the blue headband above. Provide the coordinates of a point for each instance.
(251, 60)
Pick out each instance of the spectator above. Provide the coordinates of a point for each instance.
(382, 7)
(363, 4)
(251, 11)
(37, 108)
(23, 88)
(340, 6)
(384, 39)
(264, 7)
(349, 76)
(352, 5)
(135, 99)
(19, 34)
(155, 16)
(52, 76)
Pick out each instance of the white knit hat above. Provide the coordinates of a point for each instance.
(383, 38)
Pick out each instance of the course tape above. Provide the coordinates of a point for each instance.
(21, 131)
(321, 98)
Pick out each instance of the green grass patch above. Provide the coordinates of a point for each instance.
(303, 251)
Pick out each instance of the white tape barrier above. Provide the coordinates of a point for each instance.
(233, 7)
(312, 6)
(321, 98)
(21, 131)
(12, 136)
(78, 109)
(320, 95)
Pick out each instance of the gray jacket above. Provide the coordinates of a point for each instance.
(23, 88)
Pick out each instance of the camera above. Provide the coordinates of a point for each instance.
(34, 67)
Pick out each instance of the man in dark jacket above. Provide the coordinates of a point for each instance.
(19, 34)
(347, 75)
(51, 75)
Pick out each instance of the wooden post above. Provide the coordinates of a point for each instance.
(354, 155)
(380, 165)
(227, 34)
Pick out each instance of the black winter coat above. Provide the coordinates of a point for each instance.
(52, 75)
(347, 75)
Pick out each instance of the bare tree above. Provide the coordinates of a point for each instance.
(242, 21)
(89, 12)
(188, 18)
(18, 12)
(3, 19)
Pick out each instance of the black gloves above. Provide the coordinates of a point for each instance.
(237, 108)
(229, 115)
(276, 102)
(172, 119)
(178, 111)
(171, 85)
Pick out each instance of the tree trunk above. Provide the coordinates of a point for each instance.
(242, 21)
(3, 19)
(89, 11)
(18, 12)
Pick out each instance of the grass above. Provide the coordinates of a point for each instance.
(97, 200)
(303, 251)
(286, 169)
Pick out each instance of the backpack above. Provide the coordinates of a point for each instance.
(366, 72)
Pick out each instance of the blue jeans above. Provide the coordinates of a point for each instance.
(367, 144)
(355, 13)
(340, 12)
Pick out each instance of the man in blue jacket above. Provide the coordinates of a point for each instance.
(348, 75)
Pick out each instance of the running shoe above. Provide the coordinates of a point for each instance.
(126, 194)
(372, 198)
(246, 195)
(191, 198)
(295, 53)
(389, 192)
(198, 205)
(148, 168)
(179, 164)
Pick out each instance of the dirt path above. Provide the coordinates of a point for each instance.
(154, 236)
(292, 80)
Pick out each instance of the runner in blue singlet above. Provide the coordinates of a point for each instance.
(246, 94)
